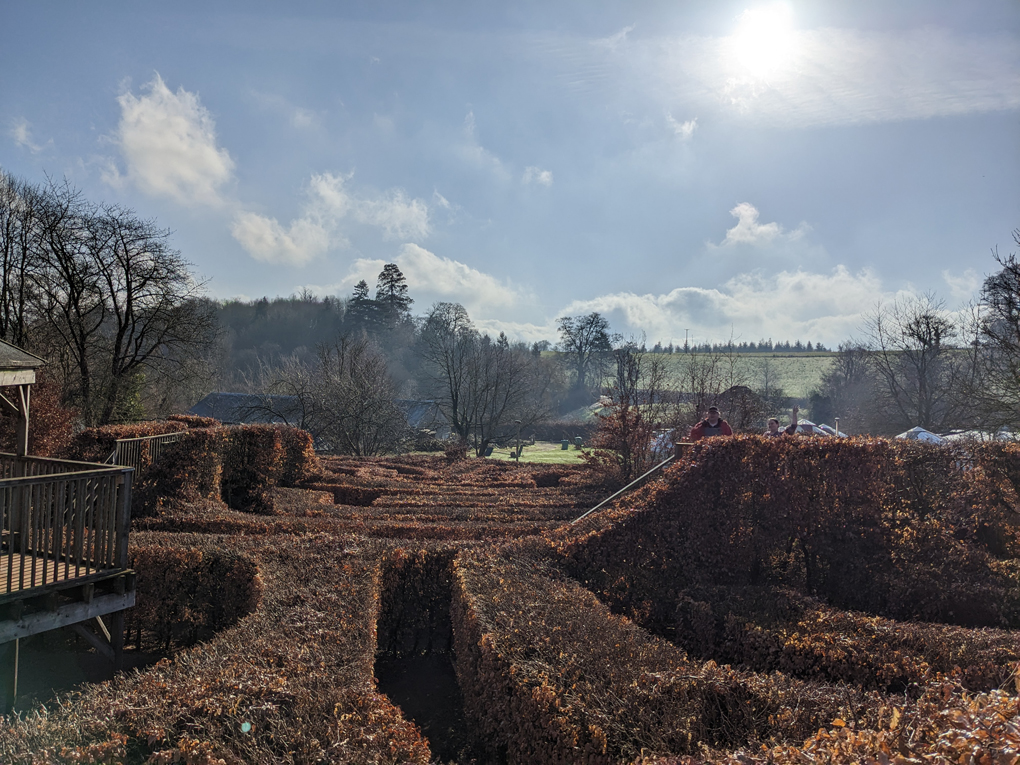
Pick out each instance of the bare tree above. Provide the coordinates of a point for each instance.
(356, 399)
(483, 386)
(587, 346)
(346, 398)
(446, 345)
(19, 234)
(154, 318)
(921, 372)
(848, 390)
(99, 292)
(994, 392)
(625, 433)
(285, 392)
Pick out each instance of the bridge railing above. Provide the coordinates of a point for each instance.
(60, 520)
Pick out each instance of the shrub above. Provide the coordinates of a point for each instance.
(253, 459)
(52, 424)
(550, 675)
(880, 527)
(194, 420)
(97, 444)
(187, 471)
(299, 460)
(184, 595)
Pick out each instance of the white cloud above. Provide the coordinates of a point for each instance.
(318, 229)
(397, 216)
(266, 240)
(305, 118)
(749, 231)
(963, 288)
(788, 305)
(22, 134)
(614, 41)
(431, 278)
(537, 175)
(476, 154)
(168, 143)
(683, 130)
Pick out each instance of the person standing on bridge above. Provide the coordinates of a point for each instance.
(712, 425)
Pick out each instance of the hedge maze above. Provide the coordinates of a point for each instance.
(781, 601)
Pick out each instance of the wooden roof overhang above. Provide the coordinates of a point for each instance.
(17, 370)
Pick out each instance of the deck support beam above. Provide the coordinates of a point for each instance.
(67, 614)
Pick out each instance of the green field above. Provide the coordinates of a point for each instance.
(543, 451)
(796, 373)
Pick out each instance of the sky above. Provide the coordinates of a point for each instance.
(709, 170)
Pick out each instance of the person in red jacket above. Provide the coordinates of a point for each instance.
(712, 425)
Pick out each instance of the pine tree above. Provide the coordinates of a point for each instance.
(362, 310)
(391, 295)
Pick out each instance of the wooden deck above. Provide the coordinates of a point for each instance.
(25, 572)
(63, 544)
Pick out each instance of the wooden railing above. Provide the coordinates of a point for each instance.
(12, 466)
(61, 520)
(129, 452)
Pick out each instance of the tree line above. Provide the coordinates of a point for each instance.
(104, 296)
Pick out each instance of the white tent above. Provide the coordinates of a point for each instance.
(808, 428)
(920, 434)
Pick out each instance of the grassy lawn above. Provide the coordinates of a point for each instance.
(543, 451)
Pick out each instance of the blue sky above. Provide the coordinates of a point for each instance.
(716, 168)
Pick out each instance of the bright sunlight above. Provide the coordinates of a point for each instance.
(764, 41)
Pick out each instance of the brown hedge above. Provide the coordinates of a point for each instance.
(550, 675)
(186, 594)
(767, 629)
(298, 670)
(889, 528)
(96, 444)
(187, 471)
(194, 420)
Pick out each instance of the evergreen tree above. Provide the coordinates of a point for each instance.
(391, 295)
(363, 312)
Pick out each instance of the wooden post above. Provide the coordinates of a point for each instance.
(117, 640)
(24, 400)
(17, 657)
(123, 521)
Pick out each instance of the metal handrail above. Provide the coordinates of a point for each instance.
(628, 487)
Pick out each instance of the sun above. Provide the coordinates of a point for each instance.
(764, 41)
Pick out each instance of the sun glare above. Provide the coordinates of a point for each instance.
(764, 40)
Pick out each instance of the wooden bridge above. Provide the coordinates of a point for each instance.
(63, 536)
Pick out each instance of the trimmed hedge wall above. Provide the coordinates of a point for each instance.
(186, 594)
(549, 675)
(891, 528)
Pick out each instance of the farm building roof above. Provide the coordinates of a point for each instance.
(420, 414)
(248, 408)
(252, 408)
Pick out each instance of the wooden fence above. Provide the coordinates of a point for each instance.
(132, 452)
(61, 520)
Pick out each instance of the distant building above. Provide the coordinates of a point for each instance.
(424, 415)
(249, 409)
(261, 409)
